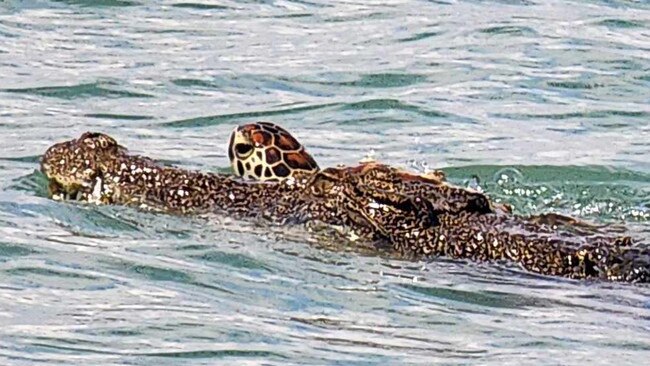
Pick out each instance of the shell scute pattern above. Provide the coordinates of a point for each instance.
(273, 155)
(264, 151)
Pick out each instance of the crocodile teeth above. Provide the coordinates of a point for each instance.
(96, 194)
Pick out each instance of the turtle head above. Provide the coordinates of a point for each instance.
(264, 151)
(73, 167)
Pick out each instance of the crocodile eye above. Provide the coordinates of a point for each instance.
(243, 150)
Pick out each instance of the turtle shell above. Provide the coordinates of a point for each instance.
(265, 151)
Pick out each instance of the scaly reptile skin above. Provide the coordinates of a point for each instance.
(403, 214)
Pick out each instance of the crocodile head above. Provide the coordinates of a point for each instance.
(74, 167)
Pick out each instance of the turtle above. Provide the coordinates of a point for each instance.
(264, 151)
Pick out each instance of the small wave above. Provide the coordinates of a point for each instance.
(105, 90)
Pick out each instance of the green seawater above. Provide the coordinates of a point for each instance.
(544, 105)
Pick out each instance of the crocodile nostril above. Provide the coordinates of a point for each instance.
(91, 135)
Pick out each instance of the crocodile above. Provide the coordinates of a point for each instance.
(395, 212)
